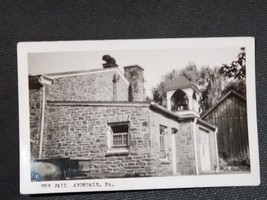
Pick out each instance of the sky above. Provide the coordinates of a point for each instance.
(156, 63)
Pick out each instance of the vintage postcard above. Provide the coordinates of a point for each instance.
(137, 114)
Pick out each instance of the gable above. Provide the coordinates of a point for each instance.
(93, 85)
(232, 104)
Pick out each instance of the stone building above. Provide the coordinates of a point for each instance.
(100, 122)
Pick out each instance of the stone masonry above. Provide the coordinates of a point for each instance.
(35, 97)
(82, 134)
(79, 111)
(185, 151)
(88, 87)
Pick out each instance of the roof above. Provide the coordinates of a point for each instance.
(179, 117)
(84, 72)
(231, 92)
(180, 83)
(100, 103)
(206, 124)
(72, 72)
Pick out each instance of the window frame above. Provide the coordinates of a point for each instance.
(118, 149)
(165, 137)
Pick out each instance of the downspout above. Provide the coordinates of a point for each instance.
(216, 151)
(195, 144)
(43, 80)
(42, 123)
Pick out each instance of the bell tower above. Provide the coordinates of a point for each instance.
(182, 97)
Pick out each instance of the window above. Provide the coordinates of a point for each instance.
(119, 137)
(163, 142)
(179, 101)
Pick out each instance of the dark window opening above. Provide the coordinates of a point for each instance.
(179, 101)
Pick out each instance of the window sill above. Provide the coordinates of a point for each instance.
(117, 152)
(164, 161)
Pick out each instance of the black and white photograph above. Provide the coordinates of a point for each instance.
(137, 114)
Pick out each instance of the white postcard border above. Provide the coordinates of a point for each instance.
(28, 187)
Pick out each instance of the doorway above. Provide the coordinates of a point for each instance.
(204, 150)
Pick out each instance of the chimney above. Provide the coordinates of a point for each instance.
(135, 75)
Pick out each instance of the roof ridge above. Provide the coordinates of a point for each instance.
(72, 72)
(222, 99)
(180, 82)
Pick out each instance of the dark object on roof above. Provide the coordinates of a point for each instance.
(180, 83)
(110, 61)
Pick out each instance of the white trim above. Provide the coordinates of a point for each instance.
(109, 138)
(216, 151)
(91, 72)
(165, 136)
(182, 113)
(123, 77)
(42, 123)
(99, 103)
(205, 129)
(45, 81)
(173, 147)
(195, 145)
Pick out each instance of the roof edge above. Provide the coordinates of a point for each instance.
(164, 110)
(84, 72)
(222, 99)
(98, 103)
(202, 122)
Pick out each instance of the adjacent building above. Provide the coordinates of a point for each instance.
(230, 116)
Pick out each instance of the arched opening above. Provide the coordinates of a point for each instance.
(179, 101)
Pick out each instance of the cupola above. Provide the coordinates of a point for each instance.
(182, 96)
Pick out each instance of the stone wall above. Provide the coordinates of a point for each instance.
(185, 148)
(122, 91)
(161, 167)
(198, 146)
(35, 104)
(88, 87)
(80, 132)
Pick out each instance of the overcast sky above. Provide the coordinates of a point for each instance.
(155, 62)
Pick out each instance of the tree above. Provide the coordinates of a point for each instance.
(206, 79)
(237, 69)
(236, 74)
(212, 84)
(237, 86)
(191, 73)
